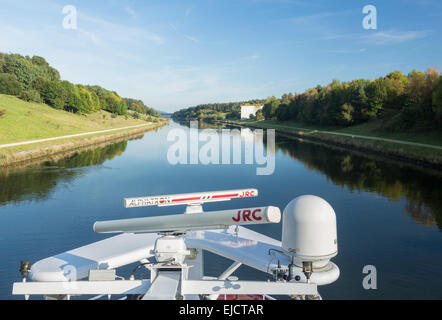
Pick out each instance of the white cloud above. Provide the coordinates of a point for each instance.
(113, 32)
(191, 38)
(350, 51)
(395, 37)
(381, 37)
(311, 18)
(170, 88)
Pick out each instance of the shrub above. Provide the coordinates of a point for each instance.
(30, 95)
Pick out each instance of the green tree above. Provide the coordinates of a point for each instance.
(54, 94)
(395, 84)
(260, 115)
(270, 107)
(73, 101)
(346, 115)
(27, 69)
(282, 112)
(30, 95)
(9, 84)
(114, 103)
(376, 96)
(437, 101)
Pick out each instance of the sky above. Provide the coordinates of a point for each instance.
(175, 54)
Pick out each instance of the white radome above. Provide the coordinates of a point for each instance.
(309, 231)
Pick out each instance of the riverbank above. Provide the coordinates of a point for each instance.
(409, 151)
(25, 121)
(53, 150)
(31, 131)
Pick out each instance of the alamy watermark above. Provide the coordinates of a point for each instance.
(370, 21)
(70, 18)
(225, 149)
(370, 281)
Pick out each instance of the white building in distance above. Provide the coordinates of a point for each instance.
(247, 111)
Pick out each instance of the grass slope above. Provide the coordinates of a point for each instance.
(371, 129)
(25, 121)
(407, 152)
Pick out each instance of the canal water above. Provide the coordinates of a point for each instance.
(389, 215)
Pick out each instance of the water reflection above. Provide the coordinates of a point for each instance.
(420, 189)
(35, 182)
(394, 180)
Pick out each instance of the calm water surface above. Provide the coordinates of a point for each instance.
(389, 215)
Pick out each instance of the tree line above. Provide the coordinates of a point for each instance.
(215, 111)
(140, 107)
(34, 80)
(402, 102)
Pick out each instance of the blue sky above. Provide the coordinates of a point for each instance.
(173, 54)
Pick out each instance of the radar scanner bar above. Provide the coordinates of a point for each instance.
(189, 198)
(188, 222)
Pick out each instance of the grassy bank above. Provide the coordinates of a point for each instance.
(371, 129)
(48, 151)
(417, 154)
(24, 121)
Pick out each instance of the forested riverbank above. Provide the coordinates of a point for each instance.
(399, 107)
(408, 151)
(32, 79)
(398, 102)
(36, 105)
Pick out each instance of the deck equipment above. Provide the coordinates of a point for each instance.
(171, 247)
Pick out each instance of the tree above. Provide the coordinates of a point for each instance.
(114, 103)
(27, 69)
(73, 100)
(437, 101)
(282, 112)
(30, 95)
(270, 107)
(9, 84)
(338, 96)
(87, 102)
(2, 62)
(234, 115)
(259, 115)
(395, 84)
(346, 115)
(54, 94)
(376, 95)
